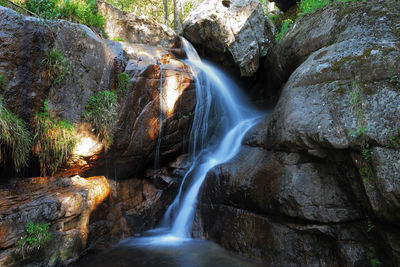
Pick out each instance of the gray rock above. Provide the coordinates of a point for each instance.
(284, 184)
(386, 163)
(236, 29)
(361, 50)
(135, 29)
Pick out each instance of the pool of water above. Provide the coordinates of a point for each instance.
(184, 253)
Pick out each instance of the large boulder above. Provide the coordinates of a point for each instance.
(64, 204)
(155, 115)
(89, 65)
(263, 202)
(342, 87)
(323, 170)
(352, 28)
(135, 29)
(233, 33)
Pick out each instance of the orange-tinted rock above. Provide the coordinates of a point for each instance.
(64, 203)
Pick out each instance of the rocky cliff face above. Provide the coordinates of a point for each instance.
(91, 213)
(315, 182)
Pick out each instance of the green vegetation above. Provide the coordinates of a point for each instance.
(123, 82)
(283, 21)
(372, 258)
(394, 140)
(118, 39)
(285, 28)
(54, 140)
(356, 102)
(184, 116)
(366, 152)
(370, 226)
(101, 112)
(310, 6)
(155, 9)
(37, 235)
(79, 11)
(15, 139)
(395, 81)
(3, 83)
(56, 65)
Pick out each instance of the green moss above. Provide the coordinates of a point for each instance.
(359, 61)
(15, 139)
(54, 141)
(101, 112)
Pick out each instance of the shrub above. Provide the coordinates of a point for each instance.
(37, 235)
(15, 139)
(54, 141)
(56, 65)
(285, 28)
(79, 11)
(123, 82)
(101, 112)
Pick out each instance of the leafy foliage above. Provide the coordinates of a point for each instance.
(79, 11)
(285, 28)
(15, 139)
(54, 140)
(154, 9)
(56, 65)
(37, 235)
(101, 112)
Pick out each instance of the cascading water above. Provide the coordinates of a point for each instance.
(221, 119)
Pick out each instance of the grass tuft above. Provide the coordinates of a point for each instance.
(101, 112)
(54, 141)
(56, 65)
(15, 139)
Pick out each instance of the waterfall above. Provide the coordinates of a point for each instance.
(221, 119)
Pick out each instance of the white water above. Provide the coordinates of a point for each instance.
(221, 119)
